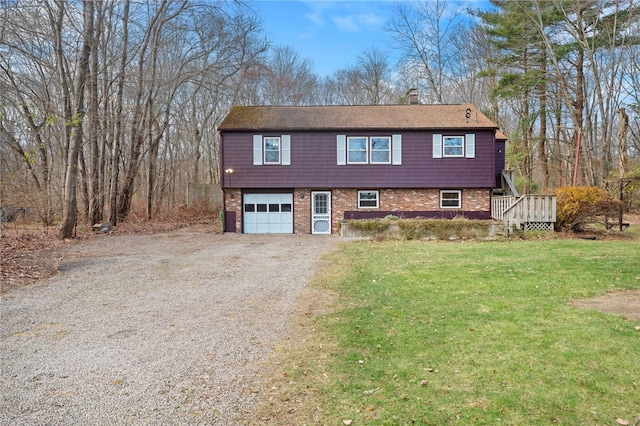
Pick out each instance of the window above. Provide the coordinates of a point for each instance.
(369, 150)
(453, 146)
(271, 150)
(380, 150)
(368, 200)
(274, 150)
(357, 150)
(451, 199)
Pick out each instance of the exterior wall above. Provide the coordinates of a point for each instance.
(314, 163)
(302, 211)
(344, 203)
(233, 203)
(408, 203)
(500, 158)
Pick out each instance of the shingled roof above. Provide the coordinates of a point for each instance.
(369, 117)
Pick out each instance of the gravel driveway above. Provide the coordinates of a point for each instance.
(159, 329)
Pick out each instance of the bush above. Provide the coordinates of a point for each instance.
(578, 206)
(391, 227)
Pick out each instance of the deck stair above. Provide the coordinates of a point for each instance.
(527, 212)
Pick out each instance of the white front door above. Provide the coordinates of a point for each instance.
(321, 212)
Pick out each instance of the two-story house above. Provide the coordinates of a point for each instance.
(305, 169)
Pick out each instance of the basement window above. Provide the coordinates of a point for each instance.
(368, 199)
(451, 199)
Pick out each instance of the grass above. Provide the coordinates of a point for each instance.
(470, 333)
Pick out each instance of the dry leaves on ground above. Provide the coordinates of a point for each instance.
(28, 254)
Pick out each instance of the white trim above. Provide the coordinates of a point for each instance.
(279, 150)
(371, 150)
(323, 218)
(457, 191)
(366, 150)
(369, 191)
(444, 148)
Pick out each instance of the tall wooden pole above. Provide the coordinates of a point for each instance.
(621, 212)
(577, 164)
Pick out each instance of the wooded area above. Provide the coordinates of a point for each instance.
(112, 106)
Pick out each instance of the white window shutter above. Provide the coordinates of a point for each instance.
(470, 148)
(396, 155)
(257, 150)
(342, 149)
(437, 145)
(286, 150)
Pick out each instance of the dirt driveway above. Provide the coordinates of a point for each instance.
(155, 329)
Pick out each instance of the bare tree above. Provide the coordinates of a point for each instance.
(425, 31)
(70, 202)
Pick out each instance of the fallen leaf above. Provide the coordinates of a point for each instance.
(622, 422)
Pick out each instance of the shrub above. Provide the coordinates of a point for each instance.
(392, 227)
(578, 206)
(370, 227)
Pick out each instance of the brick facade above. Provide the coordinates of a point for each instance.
(344, 200)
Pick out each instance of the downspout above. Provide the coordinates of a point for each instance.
(493, 163)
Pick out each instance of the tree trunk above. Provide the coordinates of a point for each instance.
(70, 202)
(542, 142)
(117, 139)
(622, 143)
(93, 170)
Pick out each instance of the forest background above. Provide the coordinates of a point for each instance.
(112, 106)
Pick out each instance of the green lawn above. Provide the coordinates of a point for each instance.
(470, 333)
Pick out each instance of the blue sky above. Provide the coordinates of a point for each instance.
(329, 33)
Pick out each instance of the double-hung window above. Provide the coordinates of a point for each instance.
(453, 146)
(357, 150)
(369, 150)
(271, 150)
(380, 150)
(368, 199)
(450, 199)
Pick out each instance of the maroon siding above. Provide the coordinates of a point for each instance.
(314, 164)
(499, 165)
(481, 215)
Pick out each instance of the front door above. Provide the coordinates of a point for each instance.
(321, 212)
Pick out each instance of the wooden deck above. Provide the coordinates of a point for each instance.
(526, 213)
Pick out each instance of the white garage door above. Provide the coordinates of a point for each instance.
(268, 213)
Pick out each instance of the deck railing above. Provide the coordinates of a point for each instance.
(538, 212)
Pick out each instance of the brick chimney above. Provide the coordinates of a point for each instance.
(412, 96)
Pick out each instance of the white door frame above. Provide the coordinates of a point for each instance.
(320, 213)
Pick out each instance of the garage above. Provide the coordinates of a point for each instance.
(268, 213)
